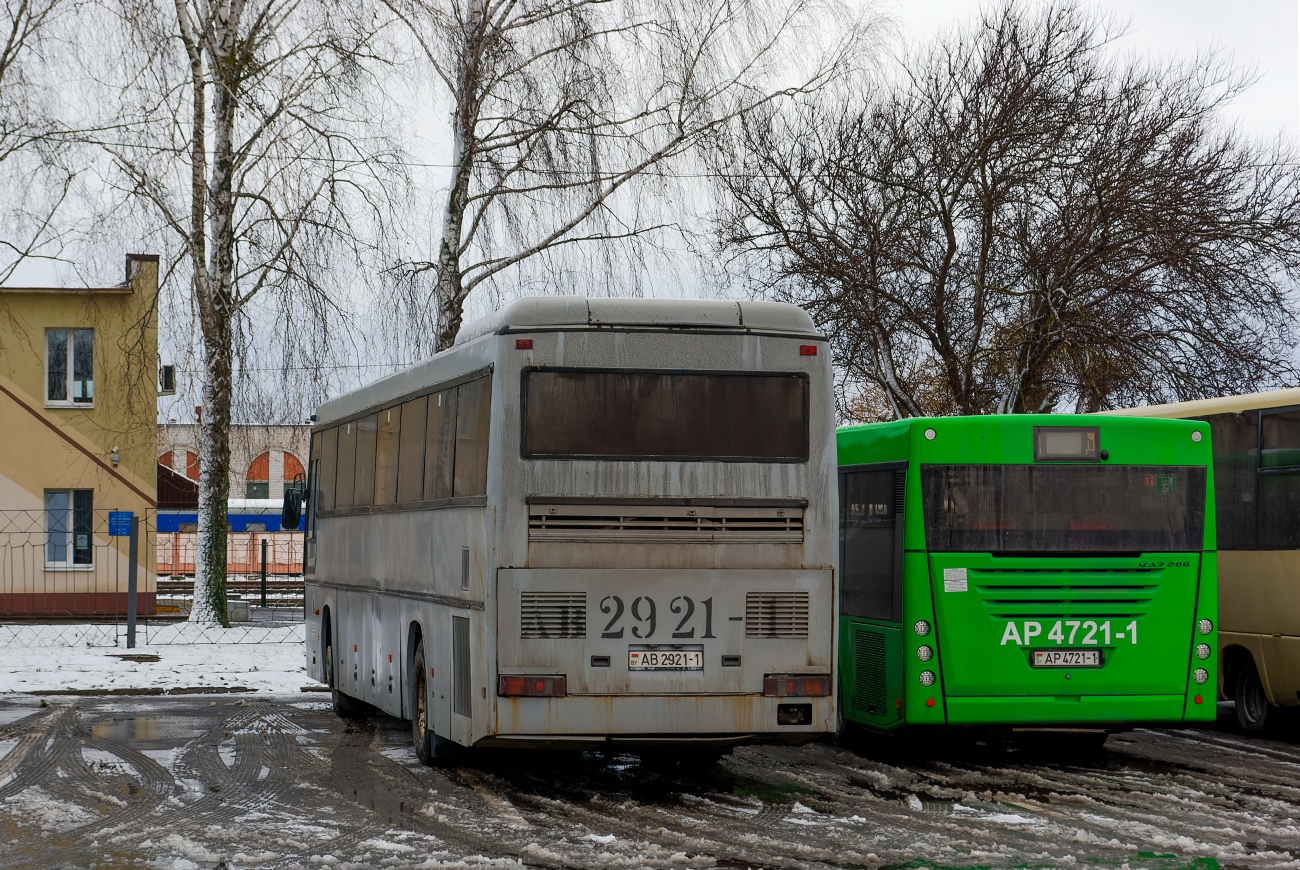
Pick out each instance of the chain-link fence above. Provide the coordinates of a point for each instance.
(65, 571)
(34, 635)
(62, 561)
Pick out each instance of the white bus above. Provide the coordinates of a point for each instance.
(591, 522)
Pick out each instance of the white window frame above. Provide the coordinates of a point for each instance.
(70, 547)
(69, 402)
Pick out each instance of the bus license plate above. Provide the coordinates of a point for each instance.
(1067, 658)
(665, 659)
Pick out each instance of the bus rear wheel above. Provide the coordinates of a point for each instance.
(1253, 708)
(420, 731)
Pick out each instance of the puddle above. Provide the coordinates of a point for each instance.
(146, 728)
(771, 792)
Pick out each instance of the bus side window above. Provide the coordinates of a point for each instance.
(313, 499)
(410, 452)
(868, 545)
(364, 485)
(1279, 474)
(440, 445)
(1233, 437)
(473, 421)
(386, 456)
(347, 466)
(328, 473)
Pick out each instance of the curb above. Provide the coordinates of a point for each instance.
(183, 690)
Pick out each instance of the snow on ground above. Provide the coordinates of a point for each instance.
(188, 658)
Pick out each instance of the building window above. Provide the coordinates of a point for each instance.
(258, 482)
(69, 520)
(292, 470)
(70, 366)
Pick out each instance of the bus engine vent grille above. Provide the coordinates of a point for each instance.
(552, 614)
(460, 666)
(776, 614)
(681, 524)
(869, 671)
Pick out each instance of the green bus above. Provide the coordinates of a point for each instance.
(1027, 571)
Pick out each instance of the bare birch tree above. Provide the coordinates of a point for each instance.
(1026, 222)
(561, 108)
(246, 139)
(34, 174)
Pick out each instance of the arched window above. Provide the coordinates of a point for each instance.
(258, 483)
(292, 468)
(191, 463)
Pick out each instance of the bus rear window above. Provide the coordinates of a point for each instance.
(627, 414)
(1035, 508)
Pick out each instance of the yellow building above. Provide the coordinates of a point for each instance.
(78, 442)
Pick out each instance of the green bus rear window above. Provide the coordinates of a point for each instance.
(1064, 508)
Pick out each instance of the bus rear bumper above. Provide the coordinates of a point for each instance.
(713, 719)
(1076, 709)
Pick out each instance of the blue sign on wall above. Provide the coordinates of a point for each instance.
(119, 524)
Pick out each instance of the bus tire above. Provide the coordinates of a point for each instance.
(421, 733)
(1251, 700)
(345, 706)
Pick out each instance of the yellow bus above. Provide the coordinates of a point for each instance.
(1256, 441)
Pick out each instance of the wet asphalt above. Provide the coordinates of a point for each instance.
(257, 781)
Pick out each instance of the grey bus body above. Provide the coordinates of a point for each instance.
(534, 543)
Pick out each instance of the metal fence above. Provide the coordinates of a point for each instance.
(243, 553)
(68, 569)
(149, 632)
(62, 561)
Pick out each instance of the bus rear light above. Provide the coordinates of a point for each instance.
(796, 686)
(1200, 675)
(927, 678)
(929, 702)
(924, 653)
(523, 344)
(1202, 650)
(1205, 626)
(1197, 699)
(515, 686)
(807, 350)
(922, 628)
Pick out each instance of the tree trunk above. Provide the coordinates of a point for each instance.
(451, 293)
(217, 311)
(214, 483)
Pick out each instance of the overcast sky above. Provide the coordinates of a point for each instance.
(1263, 34)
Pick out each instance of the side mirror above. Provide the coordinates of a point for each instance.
(291, 512)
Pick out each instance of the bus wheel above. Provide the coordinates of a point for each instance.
(344, 705)
(1252, 704)
(420, 731)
